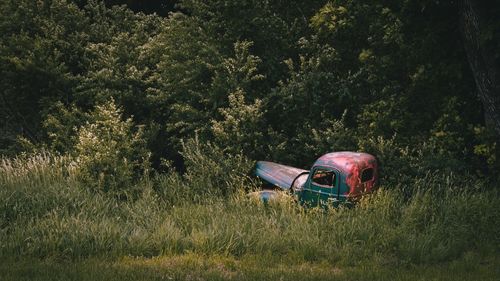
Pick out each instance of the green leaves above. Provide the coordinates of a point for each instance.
(285, 80)
(110, 152)
(240, 130)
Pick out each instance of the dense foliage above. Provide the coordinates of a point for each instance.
(279, 80)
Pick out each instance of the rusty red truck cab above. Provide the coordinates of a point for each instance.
(339, 177)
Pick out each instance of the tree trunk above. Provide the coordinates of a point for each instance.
(482, 65)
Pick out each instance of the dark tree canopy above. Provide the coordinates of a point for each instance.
(281, 80)
(161, 7)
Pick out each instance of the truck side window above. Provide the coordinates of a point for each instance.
(323, 177)
(367, 175)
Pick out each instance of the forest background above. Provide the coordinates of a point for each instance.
(154, 110)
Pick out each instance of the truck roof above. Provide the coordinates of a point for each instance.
(346, 161)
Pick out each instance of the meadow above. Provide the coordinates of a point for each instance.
(54, 228)
(129, 131)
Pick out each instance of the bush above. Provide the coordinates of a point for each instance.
(211, 170)
(111, 153)
(241, 129)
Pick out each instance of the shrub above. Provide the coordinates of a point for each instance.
(210, 170)
(241, 128)
(111, 153)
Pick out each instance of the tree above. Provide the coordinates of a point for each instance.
(40, 46)
(482, 64)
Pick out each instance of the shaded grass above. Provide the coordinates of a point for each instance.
(201, 267)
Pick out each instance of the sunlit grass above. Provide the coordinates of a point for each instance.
(49, 219)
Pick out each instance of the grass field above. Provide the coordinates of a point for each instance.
(197, 267)
(53, 228)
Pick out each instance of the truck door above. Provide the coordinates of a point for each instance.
(322, 188)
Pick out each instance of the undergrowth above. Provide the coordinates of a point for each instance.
(45, 212)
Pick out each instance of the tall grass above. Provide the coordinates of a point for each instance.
(39, 169)
(45, 212)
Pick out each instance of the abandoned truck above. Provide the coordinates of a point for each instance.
(335, 178)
